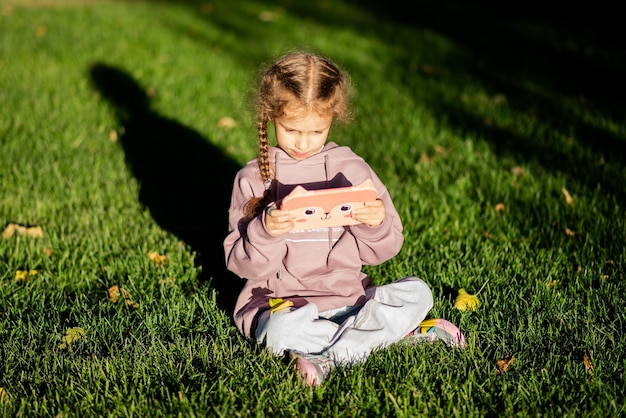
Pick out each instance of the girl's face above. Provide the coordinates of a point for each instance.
(302, 137)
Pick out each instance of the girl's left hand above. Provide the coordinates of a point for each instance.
(372, 214)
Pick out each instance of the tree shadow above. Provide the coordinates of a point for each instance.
(538, 62)
(184, 180)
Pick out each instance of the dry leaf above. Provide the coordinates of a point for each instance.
(24, 275)
(569, 232)
(71, 335)
(267, 16)
(157, 258)
(429, 69)
(587, 362)
(466, 302)
(500, 207)
(504, 364)
(4, 395)
(425, 158)
(441, 150)
(279, 304)
(169, 281)
(47, 251)
(114, 295)
(12, 229)
(226, 122)
(568, 198)
(113, 136)
(518, 171)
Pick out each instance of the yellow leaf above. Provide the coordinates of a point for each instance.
(12, 229)
(279, 304)
(71, 335)
(500, 207)
(4, 395)
(226, 122)
(552, 283)
(504, 364)
(587, 362)
(115, 292)
(568, 198)
(157, 258)
(24, 274)
(466, 302)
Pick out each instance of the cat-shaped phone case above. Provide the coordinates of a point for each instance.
(327, 207)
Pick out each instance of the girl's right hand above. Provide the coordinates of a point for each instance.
(278, 222)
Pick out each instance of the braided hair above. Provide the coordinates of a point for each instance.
(298, 83)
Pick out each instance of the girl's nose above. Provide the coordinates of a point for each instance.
(301, 143)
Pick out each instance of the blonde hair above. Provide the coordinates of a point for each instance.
(299, 83)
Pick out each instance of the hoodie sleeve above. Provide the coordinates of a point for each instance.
(251, 252)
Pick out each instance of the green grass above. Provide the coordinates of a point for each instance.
(459, 108)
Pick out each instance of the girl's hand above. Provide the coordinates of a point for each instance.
(278, 222)
(372, 214)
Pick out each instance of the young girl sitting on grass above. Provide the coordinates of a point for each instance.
(305, 293)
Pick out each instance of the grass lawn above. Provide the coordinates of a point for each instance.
(500, 137)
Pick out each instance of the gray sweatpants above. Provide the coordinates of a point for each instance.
(349, 335)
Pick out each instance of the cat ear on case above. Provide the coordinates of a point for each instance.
(327, 207)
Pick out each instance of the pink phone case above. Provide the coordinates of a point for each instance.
(327, 208)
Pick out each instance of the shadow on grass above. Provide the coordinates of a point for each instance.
(564, 73)
(185, 181)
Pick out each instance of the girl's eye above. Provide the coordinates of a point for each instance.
(309, 212)
(346, 208)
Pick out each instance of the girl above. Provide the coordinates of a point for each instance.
(305, 293)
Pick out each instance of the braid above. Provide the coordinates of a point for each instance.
(264, 147)
(256, 205)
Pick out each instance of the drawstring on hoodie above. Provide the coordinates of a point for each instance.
(327, 172)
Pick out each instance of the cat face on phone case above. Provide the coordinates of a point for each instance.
(327, 207)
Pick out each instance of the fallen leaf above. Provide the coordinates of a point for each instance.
(116, 291)
(500, 207)
(279, 304)
(47, 251)
(425, 158)
(552, 283)
(568, 198)
(267, 16)
(206, 8)
(441, 150)
(226, 122)
(71, 335)
(569, 232)
(587, 362)
(504, 364)
(169, 281)
(466, 302)
(24, 275)
(429, 69)
(4, 395)
(12, 229)
(113, 136)
(157, 258)
(518, 171)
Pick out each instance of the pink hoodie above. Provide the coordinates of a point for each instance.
(320, 266)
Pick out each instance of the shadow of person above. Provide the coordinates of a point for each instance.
(184, 180)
